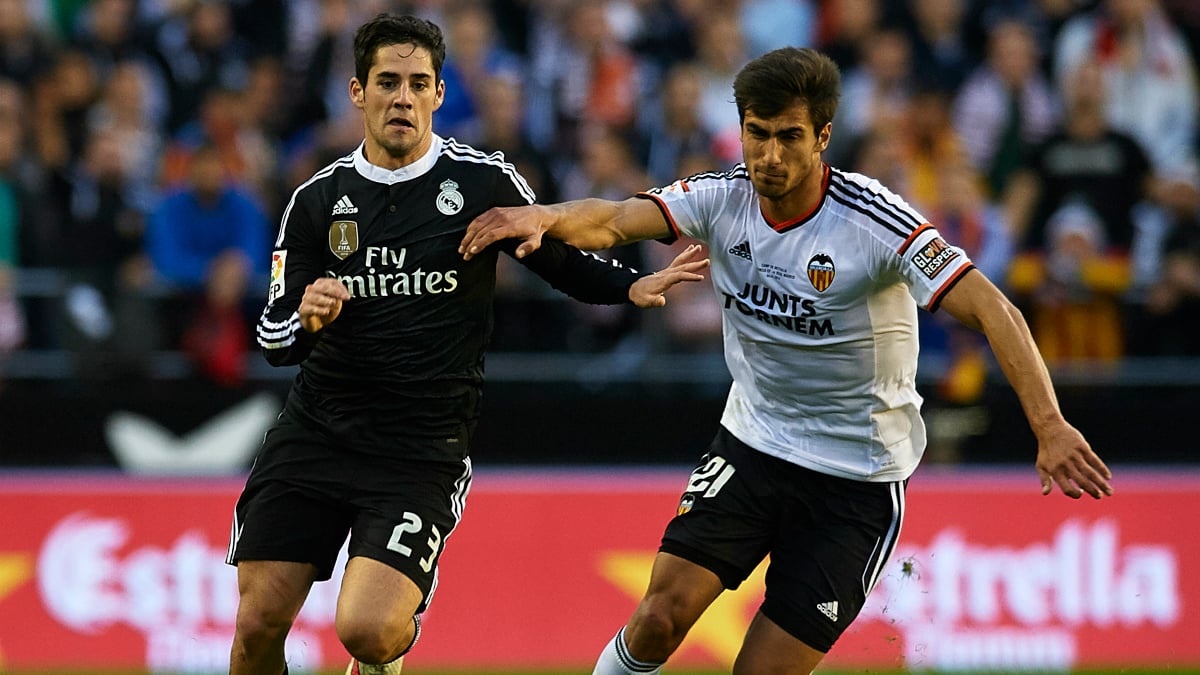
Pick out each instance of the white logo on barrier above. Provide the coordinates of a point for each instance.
(224, 444)
(183, 597)
(962, 606)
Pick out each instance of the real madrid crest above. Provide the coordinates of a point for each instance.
(449, 200)
(820, 271)
(343, 238)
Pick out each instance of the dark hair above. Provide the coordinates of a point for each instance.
(388, 29)
(781, 78)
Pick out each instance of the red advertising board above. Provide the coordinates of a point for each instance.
(110, 572)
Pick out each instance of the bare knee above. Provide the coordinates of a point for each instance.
(373, 639)
(655, 631)
(260, 628)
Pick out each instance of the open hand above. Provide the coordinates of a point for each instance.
(1065, 458)
(648, 291)
(503, 222)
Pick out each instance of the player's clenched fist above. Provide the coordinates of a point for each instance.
(322, 302)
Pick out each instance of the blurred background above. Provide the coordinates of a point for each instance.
(148, 147)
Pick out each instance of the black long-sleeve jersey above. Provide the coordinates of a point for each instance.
(401, 368)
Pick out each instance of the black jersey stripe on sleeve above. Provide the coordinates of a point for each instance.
(873, 214)
(461, 151)
(347, 161)
(737, 172)
(903, 215)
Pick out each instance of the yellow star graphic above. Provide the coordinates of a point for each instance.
(720, 630)
(15, 569)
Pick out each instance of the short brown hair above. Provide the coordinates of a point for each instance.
(779, 79)
(388, 29)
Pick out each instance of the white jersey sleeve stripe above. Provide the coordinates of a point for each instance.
(458, 150)
(347, 161)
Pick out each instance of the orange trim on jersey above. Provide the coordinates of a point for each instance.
(780, 227)
(662, 206)
(945, 288)
(913, 237)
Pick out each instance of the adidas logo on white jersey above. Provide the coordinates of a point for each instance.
(742, 250)
(829, 609)
(344, 205)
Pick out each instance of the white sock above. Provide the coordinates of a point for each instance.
(616, 660)
(390, 668)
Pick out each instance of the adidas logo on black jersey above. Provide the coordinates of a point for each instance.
(742, 250)
(344, 205)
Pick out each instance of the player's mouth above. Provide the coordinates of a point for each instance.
(400, 123)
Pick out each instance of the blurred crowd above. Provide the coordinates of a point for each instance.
(148, 147)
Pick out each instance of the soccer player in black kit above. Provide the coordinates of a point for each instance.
(389, 325)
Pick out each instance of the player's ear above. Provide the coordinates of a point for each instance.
(441, 94)
(357, 93)
(823, 137)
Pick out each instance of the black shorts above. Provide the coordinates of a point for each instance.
(306, 492)
(828, 537)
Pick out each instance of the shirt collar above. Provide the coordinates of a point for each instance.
(407, 172)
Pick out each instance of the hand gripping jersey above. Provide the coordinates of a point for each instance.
(819, 314)
(399, 371)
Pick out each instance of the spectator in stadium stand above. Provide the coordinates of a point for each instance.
(1149, 75)
(820, 273)
(473, 56)
(108, 320)
(1172, 306)
(198, 49)
(670, 128)
(1005, 105)
(845, 26)
(876, 92)
(389, 326)
(12, 315)
(26, 52)
(720, 51)
(206, 239)
(937, 30)
(1132, 202)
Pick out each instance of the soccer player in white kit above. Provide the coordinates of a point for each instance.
(819, 273)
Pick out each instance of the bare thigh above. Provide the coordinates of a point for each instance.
(272, 592)
(375, 598)
(770, 650)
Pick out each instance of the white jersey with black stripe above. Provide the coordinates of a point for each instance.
(820, 317)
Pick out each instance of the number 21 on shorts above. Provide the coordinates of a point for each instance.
(703, 480)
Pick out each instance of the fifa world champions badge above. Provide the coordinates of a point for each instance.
(278, 274)
(343, 238)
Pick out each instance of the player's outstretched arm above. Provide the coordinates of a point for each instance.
(1064, 457)
(587, 224)
(687, 266)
